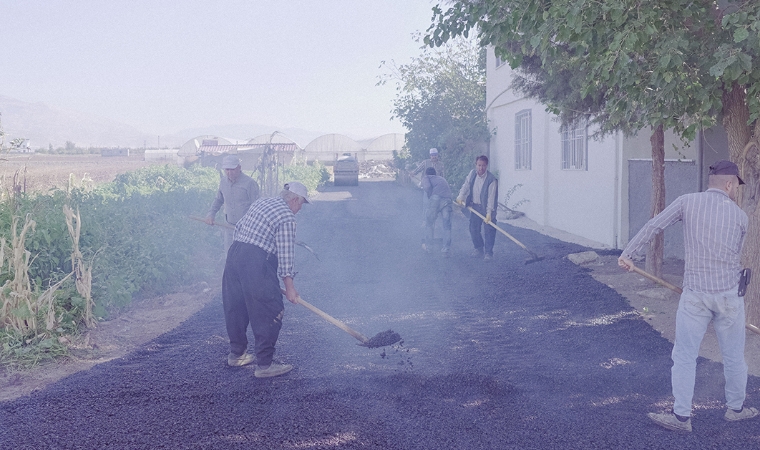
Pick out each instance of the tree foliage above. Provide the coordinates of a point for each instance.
(629, 64)
(440, 99)
(624, 65)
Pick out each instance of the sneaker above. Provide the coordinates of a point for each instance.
(425, 248)
(745, 413)
(670, 421)
(488, 257)
(477, 253)
(272, 370)
(242, 360)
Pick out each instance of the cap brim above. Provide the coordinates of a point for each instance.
(740, 180)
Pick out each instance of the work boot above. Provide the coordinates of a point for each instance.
(242, 360)
(670, 421)
(272, 370)
(745, 413)
(488, 257)
(477, 253)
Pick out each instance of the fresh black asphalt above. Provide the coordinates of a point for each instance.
(496, 355)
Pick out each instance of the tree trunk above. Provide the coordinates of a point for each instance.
(746, 156)
(656, 246)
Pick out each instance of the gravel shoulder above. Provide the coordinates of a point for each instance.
(656, 304)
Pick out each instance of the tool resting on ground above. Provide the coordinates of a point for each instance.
(535, 256)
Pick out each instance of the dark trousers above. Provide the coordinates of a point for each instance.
(489, 231)
(251, 294)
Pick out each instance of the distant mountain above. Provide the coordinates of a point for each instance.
(44, 126)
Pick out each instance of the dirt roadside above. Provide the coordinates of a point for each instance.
(151, 317)
(143, 321)
(655, 304)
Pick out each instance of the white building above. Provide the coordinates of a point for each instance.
(597, 189)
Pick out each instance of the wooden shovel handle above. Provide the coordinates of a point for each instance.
(677, 289)
(513, 239)
(363, 339)
(657, 280)
(219, 224)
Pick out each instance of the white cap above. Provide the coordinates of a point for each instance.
(230, 162)
(433, 151)
(298, 189)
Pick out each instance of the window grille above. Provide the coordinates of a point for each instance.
(574, 146)
(523, 140)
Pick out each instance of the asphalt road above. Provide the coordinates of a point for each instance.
(495, 355)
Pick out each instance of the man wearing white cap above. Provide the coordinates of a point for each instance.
(433, 162)
(263, 250)
(237, 191)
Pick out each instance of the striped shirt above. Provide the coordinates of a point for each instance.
(270, 225)
(714, 228)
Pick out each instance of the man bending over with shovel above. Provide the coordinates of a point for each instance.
(439, 193)
(714, 228)
(263, 250)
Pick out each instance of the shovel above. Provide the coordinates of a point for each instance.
(535, 256)
(379, 340)
(678, 290)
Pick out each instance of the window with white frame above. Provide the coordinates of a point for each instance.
(574, 146)
(523, 140)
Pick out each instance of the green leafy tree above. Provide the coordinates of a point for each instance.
(440, 99)
(623, 65)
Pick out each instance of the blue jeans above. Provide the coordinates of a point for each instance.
(488, 231)
(695, 311)
(437, 205)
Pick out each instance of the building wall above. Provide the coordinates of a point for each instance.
(592, 203)
(582, 202)
(681, 177)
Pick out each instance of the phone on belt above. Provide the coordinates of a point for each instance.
(744, 277)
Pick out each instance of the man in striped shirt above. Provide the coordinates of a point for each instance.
(263, 250)
(714, 228)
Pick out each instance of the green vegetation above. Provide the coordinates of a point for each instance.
(71, 257)
(440, 99)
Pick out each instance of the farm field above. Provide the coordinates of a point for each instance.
(41, 172)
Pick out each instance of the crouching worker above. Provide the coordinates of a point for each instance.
(439, 195)
(263, 249)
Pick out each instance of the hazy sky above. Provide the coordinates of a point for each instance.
(165, 65)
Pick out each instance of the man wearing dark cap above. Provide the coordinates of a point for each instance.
(263, 252)
(714, 228)
(236, 192)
